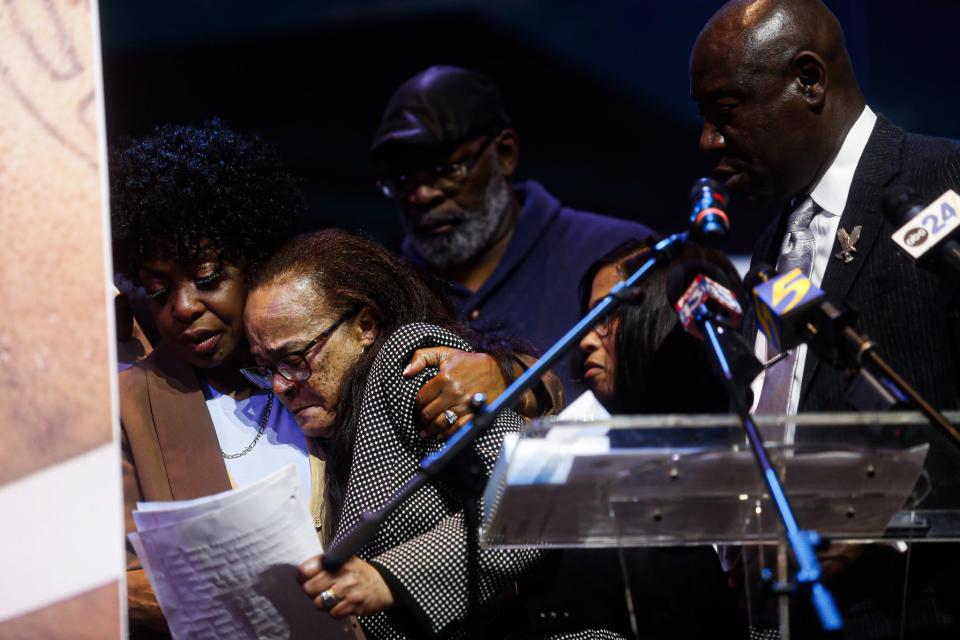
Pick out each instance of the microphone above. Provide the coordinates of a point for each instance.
(707, 301)
(704, 291)
(788, 305)
(706, 278)
(709, 222)
(790, 310)
(927, 234)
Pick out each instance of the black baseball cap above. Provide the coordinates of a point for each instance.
(440, 108)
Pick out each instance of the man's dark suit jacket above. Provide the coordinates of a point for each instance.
(905, 311)
(902, 308)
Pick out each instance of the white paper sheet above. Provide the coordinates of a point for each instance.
(151, 515)
(585, 407)
(553, 458)
(225, 566)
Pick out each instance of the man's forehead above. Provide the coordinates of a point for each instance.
(730, 71)
(710, 75)
(740, 41)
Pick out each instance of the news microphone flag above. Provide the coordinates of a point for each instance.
(780, 303)
(704, 291)
(923, 234)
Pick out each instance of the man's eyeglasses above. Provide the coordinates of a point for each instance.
(293, 366)
(444, 176)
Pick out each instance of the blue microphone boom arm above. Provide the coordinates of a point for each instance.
(708, 222)
(434, 464)
(802, 542)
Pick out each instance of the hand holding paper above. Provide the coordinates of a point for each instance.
(225, 566)
(358, 587)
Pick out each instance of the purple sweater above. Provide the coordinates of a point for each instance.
(533, 294)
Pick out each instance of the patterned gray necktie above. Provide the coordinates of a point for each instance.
(797, 251)
(798, 244)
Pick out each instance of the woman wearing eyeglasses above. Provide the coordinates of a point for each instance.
(641, 361)
(194, 209)
(332, 321)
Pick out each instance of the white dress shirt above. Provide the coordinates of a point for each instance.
(830, 193)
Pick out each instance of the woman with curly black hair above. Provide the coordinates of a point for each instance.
(194, 209)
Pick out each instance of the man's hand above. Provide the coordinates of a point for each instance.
(461, 375)
(358, 587)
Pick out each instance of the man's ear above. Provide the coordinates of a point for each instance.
(812, 78)
(368, 327)
(508, 151)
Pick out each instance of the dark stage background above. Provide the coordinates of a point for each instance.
(598, 90)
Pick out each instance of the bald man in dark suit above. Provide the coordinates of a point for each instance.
(793, 136)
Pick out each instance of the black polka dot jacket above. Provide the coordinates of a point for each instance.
(421, 550)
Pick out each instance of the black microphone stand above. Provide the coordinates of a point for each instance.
(801, 542)
(842, 345)
(485, 414)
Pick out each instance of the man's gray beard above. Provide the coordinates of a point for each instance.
(473, 233)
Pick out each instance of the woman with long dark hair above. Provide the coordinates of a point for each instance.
(641, 361)
(332, 320)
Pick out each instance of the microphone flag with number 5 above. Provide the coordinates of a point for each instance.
(780, 302)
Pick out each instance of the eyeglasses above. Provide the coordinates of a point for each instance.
(444, 176)
(602, 328)
(293, 366)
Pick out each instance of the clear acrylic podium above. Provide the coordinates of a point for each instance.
(675, 480)
(692, 480)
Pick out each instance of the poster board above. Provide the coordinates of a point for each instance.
(60, 492)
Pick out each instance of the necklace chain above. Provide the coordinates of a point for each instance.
(264, 418)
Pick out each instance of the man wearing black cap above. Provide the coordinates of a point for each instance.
(512, 253)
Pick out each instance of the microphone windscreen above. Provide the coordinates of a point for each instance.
(709, 222)
(900, 205)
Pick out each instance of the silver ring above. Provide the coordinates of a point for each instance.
(450, 416)
(329, 599)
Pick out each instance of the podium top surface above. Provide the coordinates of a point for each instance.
(681, 479)
(837, 419)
